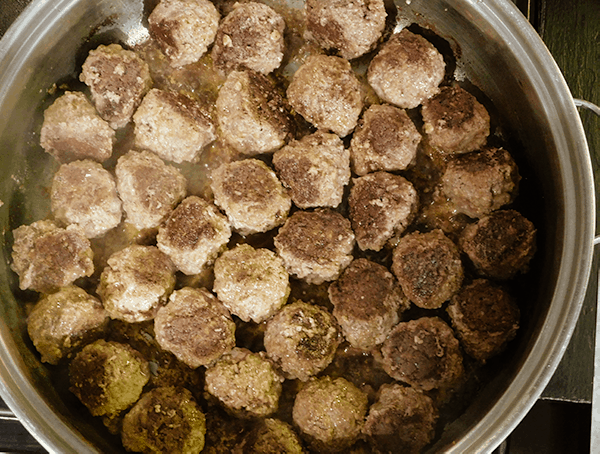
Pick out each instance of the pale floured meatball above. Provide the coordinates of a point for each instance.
(148, 187)
(302, 339)
(252, 283)
(250, 36)
(172, 125)
(251, 113)
(84, 193)
(271, 436)
(485, 318)
(136, 282)
(47, 257)
(251, 195)
(381, 205)
(423, 353)
(428, 267)
(195, 327)
(118, 80)
(407, 70)
(315, 245)
(455, 122)
(480, 182)
(385, 139)
(245, 383)
(108, 377)
(184, 29)
(165, 419)
(350, 27)
(60, 323)
(500, 245)
(367, 303)
(401, 420)
(73, 130)
(193, 235)
(326, 92)
(315, 169)
(330, 413)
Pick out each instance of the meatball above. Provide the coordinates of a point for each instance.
(193, 235)
(72, 130)
(251, 195)
(428, 267)
(423, 353)
(407, 70)
(195, 327)
(315, 169)
(108, 377)
(401, 420)
(271, 436)
(148, 187)
(455, 122)
(62, 322)
(136, 282)
(250, 37)
(184, 29)
(326, 92)
(302, 339)
(385, 139)
(252, 114)
(485, 318)
(164, 420)
(315, 245)
(330, 413)
(367, 301)
(172, 125)
(350, 28)
(245, 383)
(252, 283)
(84, 193)
(381, 205)
(118, 80)
(480, 182)
(500, 245)
(47, 257)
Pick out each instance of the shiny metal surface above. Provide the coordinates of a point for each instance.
(499, 52)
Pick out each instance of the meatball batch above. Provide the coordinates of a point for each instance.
(72, 130)
(350, 28)
(184, 29)
(367, 303)
(326, 92)
(195, 327)
(249, 37)
(316, 169)
(252, 114)
(381, 205)
(302, 339)
(385, 139)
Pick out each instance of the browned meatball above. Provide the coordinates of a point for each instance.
(428, 267)
(500, 245)
(401, 420)
(271, 436)
(423, 353)
(367, 302)
(381, 205)
(455, 122)
(485, 317)
(480, 182)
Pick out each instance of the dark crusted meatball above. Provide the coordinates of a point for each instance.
(500, 245)
(480, 182)
(381, 205)
(423, 353)
(485, 318)
(428, 267)
(401, 420)
(367, 302)
(271, 436)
